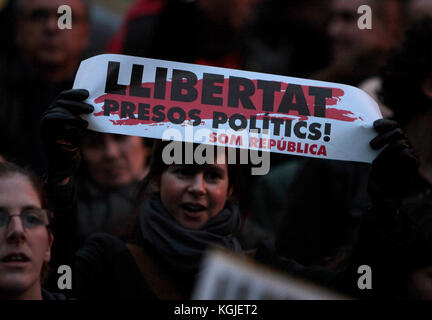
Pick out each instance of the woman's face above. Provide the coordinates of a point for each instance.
(194, 194)
(22, 250)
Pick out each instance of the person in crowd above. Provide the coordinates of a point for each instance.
(105, 168)
(264, 36)
(408, 69)
(188, 205)
(358, 54)
(44, 64)
(405, 91)
(181, 211)
(389, 241)
(396, 247)
(209, 32)
(329, 224)
(112, 165)
(288, 38)
(25, 235)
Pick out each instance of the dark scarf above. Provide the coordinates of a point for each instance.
(99, 210)
(181, 248)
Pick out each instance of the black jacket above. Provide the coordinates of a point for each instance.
(389, 241)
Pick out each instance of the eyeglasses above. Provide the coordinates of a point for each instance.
(30, 218)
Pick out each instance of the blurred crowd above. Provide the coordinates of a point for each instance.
(107, 205)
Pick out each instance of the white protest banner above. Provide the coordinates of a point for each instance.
(194, 103)
(225, 276)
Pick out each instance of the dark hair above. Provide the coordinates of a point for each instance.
(406, 69)
(158, 166)
(8, 169)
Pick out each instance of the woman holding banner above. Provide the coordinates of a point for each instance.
(190, 206)
(183, 210)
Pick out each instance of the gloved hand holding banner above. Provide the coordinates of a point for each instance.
(194, 103)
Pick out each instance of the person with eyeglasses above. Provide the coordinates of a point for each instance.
(42, 63)
(25, 236)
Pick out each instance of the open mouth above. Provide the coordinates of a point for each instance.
(193, 208)
(15, 258)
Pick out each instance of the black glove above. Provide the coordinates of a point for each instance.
(395, 167)
(62, 130)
